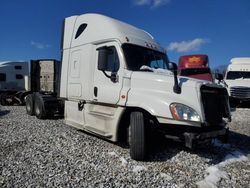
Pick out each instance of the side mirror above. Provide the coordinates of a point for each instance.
(114, 77)
(173, 67)
(218, 76)
(103, 58)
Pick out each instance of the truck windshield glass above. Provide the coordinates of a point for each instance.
(232, 75)
(137, 56)
(187, 72)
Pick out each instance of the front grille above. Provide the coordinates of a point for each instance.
(240, 92)
(215, 104)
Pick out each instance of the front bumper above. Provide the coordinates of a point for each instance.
(191, 138)
(193, 135)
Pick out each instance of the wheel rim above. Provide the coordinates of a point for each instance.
(28, 107)
(37, 110)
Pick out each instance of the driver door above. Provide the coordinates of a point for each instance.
(106, 90)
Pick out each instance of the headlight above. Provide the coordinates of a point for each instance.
(183, 112)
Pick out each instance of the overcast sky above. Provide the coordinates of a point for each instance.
(31, 29)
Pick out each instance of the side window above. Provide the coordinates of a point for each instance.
(112, 59)
(19, 76)
(80, 30)
(18, 67)
(2, 77)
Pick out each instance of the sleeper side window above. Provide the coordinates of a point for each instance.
(19, 76)
(18, 67)
(80, 30)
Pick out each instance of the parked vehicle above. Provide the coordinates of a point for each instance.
(195, 66)
(110, 87)
(237, 80)
(43, 99)
(14, 82)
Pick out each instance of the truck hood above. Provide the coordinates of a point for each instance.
(163, 81)
(157, 88)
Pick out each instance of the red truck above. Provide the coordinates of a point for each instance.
(195, 66)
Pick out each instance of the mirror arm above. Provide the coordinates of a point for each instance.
(106, 74)
(176, 88)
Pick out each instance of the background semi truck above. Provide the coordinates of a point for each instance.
(105, 90)
(195, 66)
(18, 79)
(43, 99)
(237, 80)
(14, 82)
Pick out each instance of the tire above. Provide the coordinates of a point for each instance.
(137, 136)
(30, 104)
(39, 109)
(22, 97)
(2, 99)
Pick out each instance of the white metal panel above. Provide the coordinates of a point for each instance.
(108, 91)
(102, 28)
(64, 74)
(241, 60)
(12, 82)
(154, 93)
(68, 31)
(73, 116)
(80, 73)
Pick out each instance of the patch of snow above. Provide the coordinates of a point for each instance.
(166, 176)
(215, 174)
(112, 153)
(124, 161)
(235, 156)
(139, 168)
(159, 70)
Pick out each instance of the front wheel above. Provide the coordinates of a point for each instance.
(137, 136)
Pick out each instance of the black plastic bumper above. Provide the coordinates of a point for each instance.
(191, 138)
(192, 135)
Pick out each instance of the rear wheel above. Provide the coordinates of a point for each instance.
(30, 105)
(39, 109)
(2, 99)
(137, 136)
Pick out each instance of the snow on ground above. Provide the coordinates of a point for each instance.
(215, 174)
(139, 168)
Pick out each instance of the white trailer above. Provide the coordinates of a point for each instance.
(237, 80)
(115, 84)
(14, 82)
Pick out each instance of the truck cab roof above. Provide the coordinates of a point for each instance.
(240, 60)
(96, 29)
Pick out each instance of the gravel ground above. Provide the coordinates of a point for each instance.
(48, 153)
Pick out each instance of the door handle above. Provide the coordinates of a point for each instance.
(95, 91)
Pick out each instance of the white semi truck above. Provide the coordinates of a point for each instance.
(14, 82)
(117, 83)
(237, 80)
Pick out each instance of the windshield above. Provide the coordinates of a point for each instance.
(187, 72)
(137, 56)
(232, 75)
